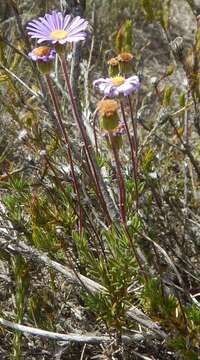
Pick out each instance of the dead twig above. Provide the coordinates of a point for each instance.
(86, 339)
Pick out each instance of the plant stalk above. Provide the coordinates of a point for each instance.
(68, 148)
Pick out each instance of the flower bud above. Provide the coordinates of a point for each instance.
(125, 62)
(113, 67)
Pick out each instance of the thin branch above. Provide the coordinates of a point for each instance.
(20, 81)
(34, 255)
(86, 339)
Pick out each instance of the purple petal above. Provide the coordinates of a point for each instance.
(55, 18)
(36, 24)
(51, 21)
(75, 38)
(66, 21)
(114, 92)
(78, 22)
(41, 40)
(126, 89)
(102, 87)
(102, 80)
(76, 32)
(61, 20)
(37, 32)
(108, 90)
(45, 58)
(134, 80)
(63, 41)
(45, 23)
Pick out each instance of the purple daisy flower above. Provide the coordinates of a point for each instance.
(42, 53)
(117, 85)
(57, 28)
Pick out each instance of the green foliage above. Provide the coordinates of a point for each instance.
(115, 272)
(157, 11)
(42, 308)
(180, 344)
(156, 302)
(147, 161)
(22, 280)
(124, 39)
(184, 321)
(168, 92)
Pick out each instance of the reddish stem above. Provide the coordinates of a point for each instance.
(133, 155)
(67, 143)
(89, 157)
(120, 178)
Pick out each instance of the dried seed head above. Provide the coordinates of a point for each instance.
(107, 107)
(113, 62)
(108, 113)
(125, 57)
(113, 66)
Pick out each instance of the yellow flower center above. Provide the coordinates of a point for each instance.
(59, 34)
(118, 80)
(42, 51)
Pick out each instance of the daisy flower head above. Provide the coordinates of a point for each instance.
(42, 53)
(118, 85)
(44, 57)
(56, 28)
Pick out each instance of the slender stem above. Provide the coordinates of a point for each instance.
(120, 178)
(134, 125)
(186, 180)
(133, 155)
(131, 240)
(84, 212)
(89, 157)
(95, 133)
(67, 143)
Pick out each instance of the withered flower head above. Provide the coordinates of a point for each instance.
(107, 107)
(109, 117)
(113, 62)
(125, 57)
